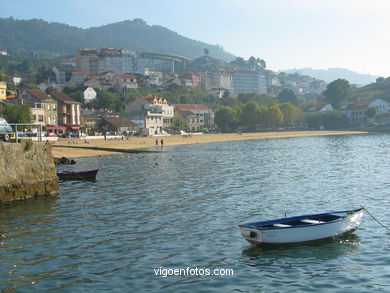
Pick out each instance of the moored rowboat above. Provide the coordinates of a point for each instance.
(81, 175)
(302, 228)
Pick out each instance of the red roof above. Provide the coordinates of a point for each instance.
(62, 97)
(127, 75)
(40, 95)
(191, 107)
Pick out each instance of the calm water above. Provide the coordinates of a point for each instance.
(181, 208)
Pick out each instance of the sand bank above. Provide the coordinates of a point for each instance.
(148, 142)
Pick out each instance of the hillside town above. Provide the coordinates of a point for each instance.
(92, 71)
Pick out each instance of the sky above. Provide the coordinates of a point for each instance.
(287, 34)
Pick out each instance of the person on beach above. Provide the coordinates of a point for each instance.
(162, 142)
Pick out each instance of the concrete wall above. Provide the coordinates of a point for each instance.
(26, 170)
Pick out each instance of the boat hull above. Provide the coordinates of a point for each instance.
(305, 233)
(83, 175)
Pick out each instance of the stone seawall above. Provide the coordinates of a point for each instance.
(26, 170)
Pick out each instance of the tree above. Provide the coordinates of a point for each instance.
(206, 51)
(180, 123)
(226, 94)
(252, 62)
(250, 115)
(288, 96)
(333, 119)
(107, 100)
(371, 112)
(239, 62)
(226, 118)
(18, 114)
(273, 116)
(230, 101)
(262, 63)
(291, 114)
(337, 91)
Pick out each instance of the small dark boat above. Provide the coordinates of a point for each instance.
(80, 175)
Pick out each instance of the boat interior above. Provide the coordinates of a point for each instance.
(293, 222)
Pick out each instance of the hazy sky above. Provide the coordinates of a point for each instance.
(352, 34)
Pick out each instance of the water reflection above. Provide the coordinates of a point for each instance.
(321, 250)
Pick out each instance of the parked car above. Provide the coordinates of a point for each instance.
(6, 131)
(52, 134)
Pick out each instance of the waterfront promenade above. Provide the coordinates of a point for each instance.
(75, 148)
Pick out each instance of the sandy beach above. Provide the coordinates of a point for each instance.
(148, 142)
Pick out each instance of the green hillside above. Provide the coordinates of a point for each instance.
(41, 38)
(379, 89)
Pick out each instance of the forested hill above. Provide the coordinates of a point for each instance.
(27, 37)
(379, 89)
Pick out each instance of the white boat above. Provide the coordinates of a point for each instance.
(302, 228)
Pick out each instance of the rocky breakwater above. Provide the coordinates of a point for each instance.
(26, 170)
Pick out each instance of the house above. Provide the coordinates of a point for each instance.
(63, 71)
(126, 81)
(93, 83)
(383, 119)
(15, 80)
(68, 111)
(355, 111)
(149, 113)
(90, 118)
(43, 107)
(78, 78)
(3, 90)
(118, 124)
(217, 91)
(89, 94)
(199, 117)
(320, 107)
(154, 77)
(191, 79)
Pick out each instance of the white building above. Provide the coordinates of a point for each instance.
(149, 113)
(355, 112)
(198, 116)
(221, 79)
(89, 94)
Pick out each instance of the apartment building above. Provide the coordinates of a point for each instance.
(248, 81)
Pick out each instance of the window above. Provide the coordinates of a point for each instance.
(40, 118)
(48, 107)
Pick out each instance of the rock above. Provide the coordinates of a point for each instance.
(64, 161)
(26, 171)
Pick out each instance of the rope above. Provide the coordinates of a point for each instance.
(376, 220)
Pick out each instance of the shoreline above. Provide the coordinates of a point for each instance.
(77, 148)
